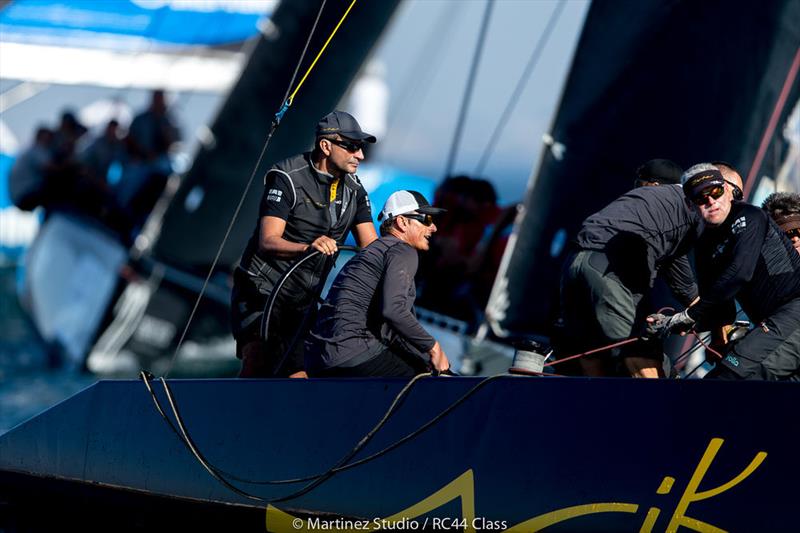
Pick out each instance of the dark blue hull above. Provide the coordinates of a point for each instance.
(520, 453)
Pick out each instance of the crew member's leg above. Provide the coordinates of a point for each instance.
(769, 351)
(582, 331)
(614, 308)
(385, 364)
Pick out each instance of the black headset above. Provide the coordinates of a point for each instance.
(737, 192)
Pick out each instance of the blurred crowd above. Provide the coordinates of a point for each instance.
(455, 278)
(114, 177)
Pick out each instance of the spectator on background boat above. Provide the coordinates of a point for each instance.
(151, 135)
(784, 208)
(103, 151)
(741, 255)
(445, 284)
(27, 181)
(367, 325)
(311, 201)
(66, 138)
(617, 255)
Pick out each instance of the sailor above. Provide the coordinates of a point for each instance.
(742, 255)
(367, 326)
(784, 208)
(619, 252)
(311, 201)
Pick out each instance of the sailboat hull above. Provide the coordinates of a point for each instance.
(522, 454)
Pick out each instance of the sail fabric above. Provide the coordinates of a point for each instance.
(130, 24)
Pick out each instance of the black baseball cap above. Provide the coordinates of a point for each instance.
(701, 177)
(345, 125)
(661, 171)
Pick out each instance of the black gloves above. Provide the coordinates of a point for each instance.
(659, 325)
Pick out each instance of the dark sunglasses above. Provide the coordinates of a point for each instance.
(350, 146)
(793, 233)
(713, 192)
(425, 220)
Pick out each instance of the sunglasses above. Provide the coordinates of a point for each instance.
(714, 192)
(425, 220)
(350, 146)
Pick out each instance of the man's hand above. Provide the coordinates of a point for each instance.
(439, 361)
(659, 325)
(325, 244)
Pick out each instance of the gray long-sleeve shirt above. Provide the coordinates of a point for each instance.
(370, 307)
(643, 232)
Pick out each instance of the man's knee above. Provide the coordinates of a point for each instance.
(643, 367)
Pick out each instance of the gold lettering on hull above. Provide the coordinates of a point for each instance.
(463, 488)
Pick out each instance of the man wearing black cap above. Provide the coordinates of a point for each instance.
(784, 208)
(367, 326)
(310, 202)
(658, 172)
(619, 252)
(742, 255)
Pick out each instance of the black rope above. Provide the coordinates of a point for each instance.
(267, 313)
(316, 479)
(462, 115)
(219, 474)
(521, 83)
(273, 127)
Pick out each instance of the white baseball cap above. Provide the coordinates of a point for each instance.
(404, 202)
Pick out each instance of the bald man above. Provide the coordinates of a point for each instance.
(733, 181)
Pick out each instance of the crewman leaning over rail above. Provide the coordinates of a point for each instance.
(616, 257)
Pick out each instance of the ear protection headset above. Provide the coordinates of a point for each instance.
(737, 192)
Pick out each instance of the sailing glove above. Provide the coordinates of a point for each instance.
(660, 325)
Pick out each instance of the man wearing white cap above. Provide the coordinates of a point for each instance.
(367, 326)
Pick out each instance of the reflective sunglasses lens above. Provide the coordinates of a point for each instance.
(703, 197)
(425, 220)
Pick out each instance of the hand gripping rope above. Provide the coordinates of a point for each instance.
(267, 315)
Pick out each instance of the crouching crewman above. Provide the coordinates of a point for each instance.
(367, 326)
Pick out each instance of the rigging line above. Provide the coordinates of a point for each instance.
(313, 63)
(425, 426)
(462, 115)
(707, 347)
(773, 122)
(521, 84)
(273, 127)
(600, 349)
(426, 63)
(681, 360)
(342, 463)
(688, 346)
(317, 480)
